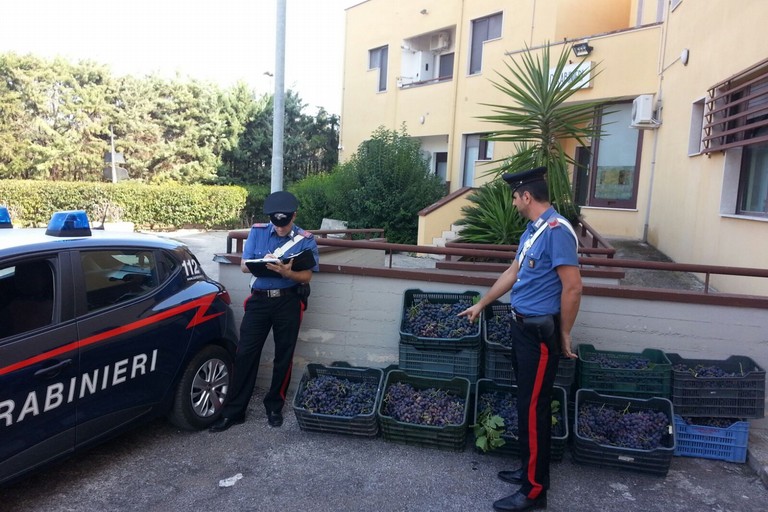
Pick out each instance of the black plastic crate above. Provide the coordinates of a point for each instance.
(441, 364)
(654, 381)
(448, 437)
(471, 340)
(361, 425)
(588, 451)
(719, 443)
(738, 396)
(511, 446)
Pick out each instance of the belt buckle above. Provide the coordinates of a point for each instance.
(516, 317)
(274, 293)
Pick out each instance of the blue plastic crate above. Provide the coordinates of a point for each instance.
(728, 444)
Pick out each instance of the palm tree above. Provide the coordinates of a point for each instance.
(538, 118)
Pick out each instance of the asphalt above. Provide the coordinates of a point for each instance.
(157, 467)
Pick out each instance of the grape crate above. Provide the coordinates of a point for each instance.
(644, 375)
(430, 320)
(338, 399)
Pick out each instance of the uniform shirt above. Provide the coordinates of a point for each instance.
(538, 287)
(263, 240)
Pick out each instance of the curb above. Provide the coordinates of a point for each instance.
(757, 453)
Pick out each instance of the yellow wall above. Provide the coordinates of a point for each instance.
(679, 197)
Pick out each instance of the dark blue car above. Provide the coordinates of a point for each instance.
(100, 330)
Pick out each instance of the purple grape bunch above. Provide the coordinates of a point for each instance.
(328, 394)
(702, 371)
(504, 404)
(434, 320)
(711, 422)
(498, 329)
(431, 406)
(608, 361)
(643, 429)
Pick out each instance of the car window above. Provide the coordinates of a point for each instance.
(117, 275)
(26, 297)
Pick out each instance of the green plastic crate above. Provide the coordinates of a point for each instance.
(441, 364)
(448, 437)
(655, 381)
(471, 340)
(738, 396)
(511, 446)
(590, 452)
(365, 425)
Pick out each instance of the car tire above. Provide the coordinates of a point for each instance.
(200, 395)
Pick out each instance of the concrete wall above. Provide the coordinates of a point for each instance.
(357, 319)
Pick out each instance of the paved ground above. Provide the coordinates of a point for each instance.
(158, 468)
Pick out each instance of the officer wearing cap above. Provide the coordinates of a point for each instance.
(276, 303)
(545, 285)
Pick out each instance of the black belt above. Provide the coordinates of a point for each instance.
(273, 294)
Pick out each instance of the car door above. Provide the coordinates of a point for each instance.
(133, 335)
(39, 369)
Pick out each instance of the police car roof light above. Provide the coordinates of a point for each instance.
(69, 223)
(5, 218)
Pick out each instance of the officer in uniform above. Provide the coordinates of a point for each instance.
(276, 303)
(546, 286)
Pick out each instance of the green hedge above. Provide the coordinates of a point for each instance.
(159, 207)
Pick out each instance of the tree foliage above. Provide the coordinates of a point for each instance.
(384, 184)
(56, 118)
(539, 117)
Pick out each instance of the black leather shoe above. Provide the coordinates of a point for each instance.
(512, 477)
(223, 423)
(275, 418)
(520, 501)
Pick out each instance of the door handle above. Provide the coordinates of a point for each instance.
(54, 370)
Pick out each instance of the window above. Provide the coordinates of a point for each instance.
(115, 276)
(441, 165)
(377, 59)
(483, 29)
(445, 70)
(26, 298)
(736, 121)
(753, 182)
(476, 148)
(697, 128)
(615, 160)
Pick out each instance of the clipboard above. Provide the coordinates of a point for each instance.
(303, 260)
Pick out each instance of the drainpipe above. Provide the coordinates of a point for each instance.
(661, 69)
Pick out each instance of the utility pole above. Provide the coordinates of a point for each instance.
(112, 143)
(278, 113)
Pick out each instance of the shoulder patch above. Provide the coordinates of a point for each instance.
(553, 223)
(260, 225)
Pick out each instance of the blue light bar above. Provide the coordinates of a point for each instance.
(69, 223)
(5, 218)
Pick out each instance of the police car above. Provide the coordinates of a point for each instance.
(100, 330)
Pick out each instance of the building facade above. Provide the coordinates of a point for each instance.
(683, 158)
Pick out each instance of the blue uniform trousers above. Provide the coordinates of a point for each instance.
(535, 356)
(282, 315)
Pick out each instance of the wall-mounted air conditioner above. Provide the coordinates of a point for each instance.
(642, 112)
(439, 41)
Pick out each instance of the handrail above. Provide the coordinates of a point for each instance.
(239, 235)
(504, 253)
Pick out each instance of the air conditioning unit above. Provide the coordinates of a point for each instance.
(642, 112)
(439, 41)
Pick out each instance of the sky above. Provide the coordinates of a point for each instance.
(222, 41)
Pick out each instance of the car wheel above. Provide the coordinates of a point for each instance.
(202, 389)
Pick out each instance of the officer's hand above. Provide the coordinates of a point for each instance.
(281, 268)
(566, 349)
(471, 312)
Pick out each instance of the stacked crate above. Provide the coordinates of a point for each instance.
(712, 400)
(645, 374)
(497, 347)
(435, 356)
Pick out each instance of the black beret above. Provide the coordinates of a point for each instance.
(280, 202)
(519, 179)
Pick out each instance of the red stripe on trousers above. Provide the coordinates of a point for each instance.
(533, 442)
